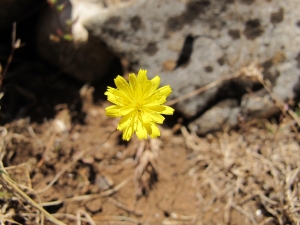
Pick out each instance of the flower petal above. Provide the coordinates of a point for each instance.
(126, 110)
(113, 111)
(139, 92)
(132, 83)
(127, 133)
(155, 82)
(162, 109)
(148, 127)
(150, 87)
(155, 131)
(141, 131)
(125, 121)
(120, 82)
(142, 77)
(153, 116)
(165, 90)
(123, 85)
(117, 97)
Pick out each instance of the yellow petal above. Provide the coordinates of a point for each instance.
(155, 99)
(155, 131)
(118, 97)
(168, 110)
(162, 109)
(132, 81)
(139, 92)
(125, 121)
(126, 110)
(114, 99)
(122, 85)
(113, 111)
(126, 97)
(141, 131)
(155, 82)
(150, 87)
(165, 90)
(127, 133)
(153, 116)
(148, 127)
(142, 77)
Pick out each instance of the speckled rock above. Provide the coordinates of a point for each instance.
(80, 55)
(193, 43)
(224, 115)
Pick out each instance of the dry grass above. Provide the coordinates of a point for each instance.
(255, 172)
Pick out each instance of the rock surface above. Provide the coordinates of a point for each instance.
(193, 43)
(223, 114)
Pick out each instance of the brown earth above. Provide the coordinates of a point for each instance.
(64, 153)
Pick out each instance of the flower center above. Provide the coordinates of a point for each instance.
(138, 106)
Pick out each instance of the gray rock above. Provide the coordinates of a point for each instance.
(84, 57)
(258, 105)
(151, 35)
(15, 10)
(222, 115)
(193, 43)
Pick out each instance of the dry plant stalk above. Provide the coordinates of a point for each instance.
(257, 167)
(146, 167)
(16, 43)
(12, 187)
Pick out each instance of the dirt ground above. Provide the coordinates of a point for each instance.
(66, 155)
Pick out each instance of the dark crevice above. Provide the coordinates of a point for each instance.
(53, 208)
(186, 52)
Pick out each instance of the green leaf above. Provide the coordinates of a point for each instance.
(68, 37)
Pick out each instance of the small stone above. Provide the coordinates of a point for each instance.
(104, 182)
(223, 114)
(94, 205)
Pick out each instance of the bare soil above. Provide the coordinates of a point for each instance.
(64, 153)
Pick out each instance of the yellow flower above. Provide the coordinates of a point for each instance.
(140, 104)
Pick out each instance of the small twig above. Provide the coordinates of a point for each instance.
(99, 218)
(199, 90)
(79, 218)
(87, 216)
(15, 45)
(176, 216)
(245, 213)
(280, 104)
(126, 208)
(50, 143)
(91, 196)
(10, 185)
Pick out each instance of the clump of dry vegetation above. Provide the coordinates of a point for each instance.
(254, 172)
(250, 176)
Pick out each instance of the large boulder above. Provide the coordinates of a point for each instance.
(192, 43)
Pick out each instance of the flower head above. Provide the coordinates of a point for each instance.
(140, 104)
